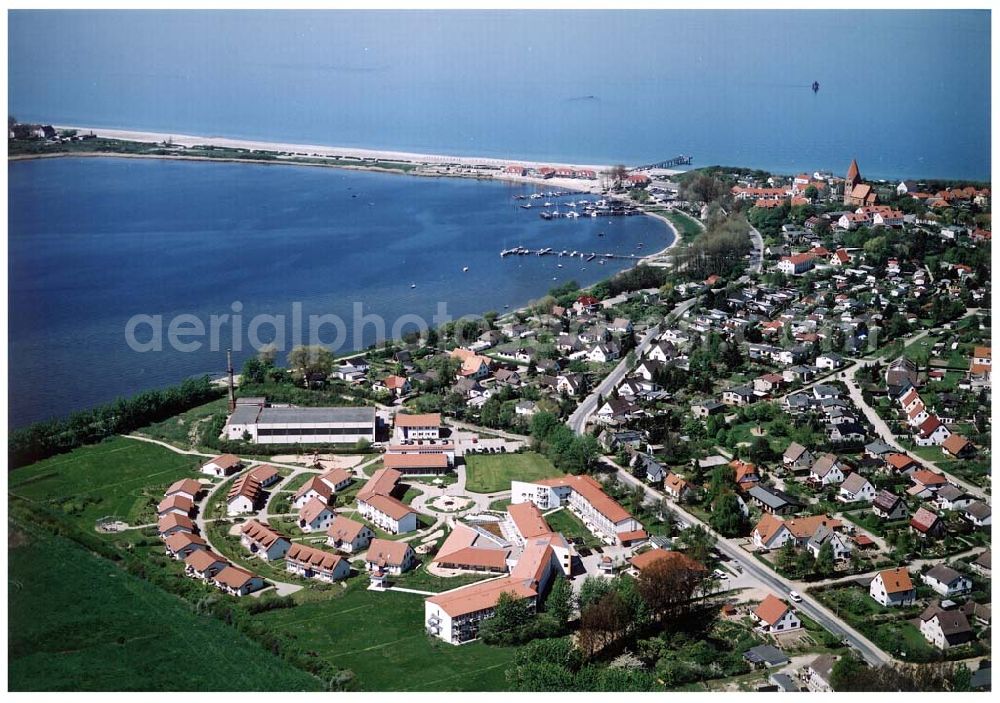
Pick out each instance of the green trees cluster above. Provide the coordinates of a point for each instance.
(44, 439)
(557, 665)
(567, 451)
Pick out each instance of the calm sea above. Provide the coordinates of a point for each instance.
(94, 242)
(907, 93)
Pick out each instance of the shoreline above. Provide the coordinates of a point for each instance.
(577, 185)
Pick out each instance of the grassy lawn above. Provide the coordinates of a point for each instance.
(121, 477)
(500, 504)
(491, 473)
(570, 525)
(686, 226)
(183, 430)
(381, 638)
(79, 623)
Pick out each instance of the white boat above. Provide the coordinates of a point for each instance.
(413, 285)
(559, 265)
(464, 269)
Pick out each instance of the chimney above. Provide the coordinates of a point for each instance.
(232, 391)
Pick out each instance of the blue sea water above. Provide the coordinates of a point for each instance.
(93, 242)
(907, 93)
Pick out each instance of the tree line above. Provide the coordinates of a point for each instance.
(50, 437)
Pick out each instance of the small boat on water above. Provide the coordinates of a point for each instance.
(413, 285)
(558, 265)
(600, 234)
(464, 269)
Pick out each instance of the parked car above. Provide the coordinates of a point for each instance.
(794, 595)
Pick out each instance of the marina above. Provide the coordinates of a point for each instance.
(548, 251)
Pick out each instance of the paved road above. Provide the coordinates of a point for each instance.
(588, 406)
(779, 585)
(757, 255)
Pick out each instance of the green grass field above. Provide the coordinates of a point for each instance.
(570, 525)
(121, 477)
(491, 473)
(381, 638)
(79, 623)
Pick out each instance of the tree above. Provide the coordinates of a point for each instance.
(254, 371)
(668, 585)
(305, 361)
(603, 623)
(699, 542)
(509, 617)
(560, 601)
(824, 560)
(727, 516)
(592, 590)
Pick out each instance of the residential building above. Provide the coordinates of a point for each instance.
(602, 515)
(893, 588)
(204, 564)
(945, 628)
(186, 487)
(236, 581)
(390, 556)
(376, 503)
(856, 488)
(772, 532)
(311, 563)
(348, 535)
(315, 516)
(945, 581)
(245, 495)
(411, 427)
(889, 506)
(263, 542)
(222, 466)
(774, 615)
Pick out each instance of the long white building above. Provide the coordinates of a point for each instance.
(291, 425)
(601, 514)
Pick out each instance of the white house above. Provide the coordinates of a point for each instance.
(390, 556)
(946, 581)
(945, 628)
(348, 535)
(774, 615)
(827, 470)
(893, 587)
(222, 466)
(425, 426)
(263, 542)
(237, 582)
(315, 516)
(856, 488)
(311, 563)
(824, 535)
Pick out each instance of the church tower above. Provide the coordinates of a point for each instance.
(853, 178)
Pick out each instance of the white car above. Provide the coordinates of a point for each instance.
(794, 595)
(721, 574)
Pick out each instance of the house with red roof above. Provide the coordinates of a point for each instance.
(774, 615)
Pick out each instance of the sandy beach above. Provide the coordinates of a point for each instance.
(434, 164)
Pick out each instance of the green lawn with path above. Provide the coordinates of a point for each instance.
(572, 527)
(491, 473)
(83, 623)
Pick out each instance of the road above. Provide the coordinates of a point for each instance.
(757, 255)
(778, 584)
(588, 406)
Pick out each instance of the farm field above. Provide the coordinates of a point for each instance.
(490, 473)
(78, 622)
